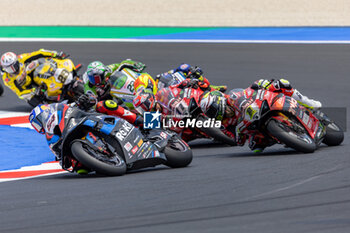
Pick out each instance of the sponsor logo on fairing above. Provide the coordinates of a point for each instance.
(128, 146)
(124, 131)
(163, 135)
(134, 150)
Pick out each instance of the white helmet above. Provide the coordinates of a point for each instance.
(9, 63)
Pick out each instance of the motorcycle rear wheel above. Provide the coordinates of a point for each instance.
(115, 167)
(299, 141)
(177, 153)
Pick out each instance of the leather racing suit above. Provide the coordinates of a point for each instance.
(22, 83)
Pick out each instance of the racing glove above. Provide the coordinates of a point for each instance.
(86, 101)
(61, 55)
(193, 83)
(40, 91)
(139, 66)
(195, 73)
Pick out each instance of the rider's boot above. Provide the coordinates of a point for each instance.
(82, 171)
(258, 150)
(79, 168)
(306, 101)
(256, 144)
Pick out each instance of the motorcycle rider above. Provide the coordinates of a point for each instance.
(17, 70)
(192, 72)
(40, 118)
(97, 75)
(98, 85)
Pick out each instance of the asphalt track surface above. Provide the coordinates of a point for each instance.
(224, 189)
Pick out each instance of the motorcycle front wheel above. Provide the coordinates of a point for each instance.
(98, 161)
(334, 135)
(177, 153)
(300, 141)
(217, 134)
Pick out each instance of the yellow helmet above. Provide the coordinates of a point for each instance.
(145, 82)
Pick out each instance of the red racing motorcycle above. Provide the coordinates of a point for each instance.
(182, 113)
(272, 118)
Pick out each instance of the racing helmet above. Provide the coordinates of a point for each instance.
(144, 101)
(213, 105)
(195, 72)
(10, 63)
(184, 68)
(145, 82)
(38, 116)
(96, 73)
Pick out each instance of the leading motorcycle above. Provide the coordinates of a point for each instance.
(109, 145)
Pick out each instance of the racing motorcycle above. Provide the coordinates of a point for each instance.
(184, 105)
(55, 80)
(271, 118)
(110, 145)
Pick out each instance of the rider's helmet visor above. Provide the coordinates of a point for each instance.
(12, 69)
(37, 125)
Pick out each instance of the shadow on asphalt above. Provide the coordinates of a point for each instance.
(282, 151)
(69, 176)
(20, 108)
(263, 154)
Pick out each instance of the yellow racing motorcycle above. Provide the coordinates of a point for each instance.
(55, 80)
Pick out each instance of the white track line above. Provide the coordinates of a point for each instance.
(5, 39)
(8, 114)
(30, 177)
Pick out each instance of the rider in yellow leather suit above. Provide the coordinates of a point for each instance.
(17, 70)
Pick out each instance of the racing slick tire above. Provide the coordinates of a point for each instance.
(217, 134)
(334, 135)
(300, 142)
(178, 153)
(117, 167)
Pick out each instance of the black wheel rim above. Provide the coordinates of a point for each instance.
(177, 145)
(296, 131)
(112, 160)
